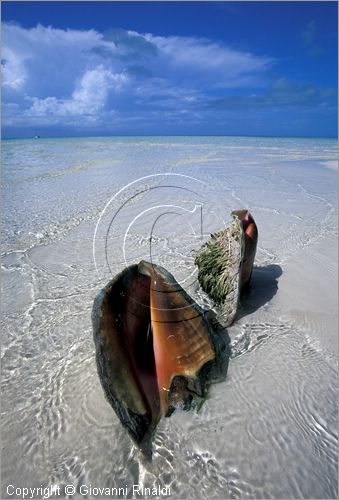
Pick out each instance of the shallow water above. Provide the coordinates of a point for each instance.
(270, 429)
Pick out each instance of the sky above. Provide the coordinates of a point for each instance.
(169, 68)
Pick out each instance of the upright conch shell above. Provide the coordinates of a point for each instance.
(225, 264)
(155, 348)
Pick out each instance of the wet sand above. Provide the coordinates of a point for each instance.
(270, 429)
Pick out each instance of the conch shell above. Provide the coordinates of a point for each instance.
(155, 349)
(225, 264)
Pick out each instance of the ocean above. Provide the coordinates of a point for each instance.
(76, 211)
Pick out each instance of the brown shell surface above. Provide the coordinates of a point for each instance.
(181, 341)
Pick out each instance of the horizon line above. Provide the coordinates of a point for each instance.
(17, 138)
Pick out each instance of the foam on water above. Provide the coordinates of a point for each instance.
(270, 429)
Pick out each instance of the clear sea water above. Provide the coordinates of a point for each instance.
(270, 429)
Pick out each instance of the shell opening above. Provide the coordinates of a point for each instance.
(138, 337)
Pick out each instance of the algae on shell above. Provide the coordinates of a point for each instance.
(220, 264)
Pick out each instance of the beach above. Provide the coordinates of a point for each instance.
(75, 213)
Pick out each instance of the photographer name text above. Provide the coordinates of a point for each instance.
(51, 491)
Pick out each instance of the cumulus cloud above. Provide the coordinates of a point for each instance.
(88, 98)
(103, 81)
(58, 75)
(13, 72)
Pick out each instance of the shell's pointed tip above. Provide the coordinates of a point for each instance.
(145, 447)
(145, 267)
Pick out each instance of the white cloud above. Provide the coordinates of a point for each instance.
(197, 57)
(46, 61)
(13, 72)
(56, 76)
(88, 98)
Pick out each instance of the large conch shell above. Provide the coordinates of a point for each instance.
(225, 264)
(155, 348)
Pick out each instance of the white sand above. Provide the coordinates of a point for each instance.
(270, 429)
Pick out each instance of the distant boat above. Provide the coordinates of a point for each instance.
(37, 136)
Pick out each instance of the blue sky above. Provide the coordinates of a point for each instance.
(169, 68)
